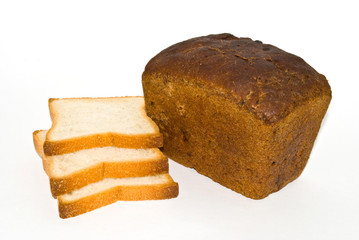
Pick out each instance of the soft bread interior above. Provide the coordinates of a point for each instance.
(108, 183)
(76, 117)
(65, 164)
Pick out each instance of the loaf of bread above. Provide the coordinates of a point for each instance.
(244, 113)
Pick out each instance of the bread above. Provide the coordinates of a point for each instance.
(244, 113)
(110, 190)
(83, 123)
(72, 171)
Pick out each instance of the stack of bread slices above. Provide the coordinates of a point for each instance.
(101, 150)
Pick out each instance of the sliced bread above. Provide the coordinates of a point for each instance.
(72, 171)
(110, 190)
(83, 123)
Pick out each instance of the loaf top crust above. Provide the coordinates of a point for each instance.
(266, 80)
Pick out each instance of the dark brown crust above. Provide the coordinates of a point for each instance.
(119, 193)
(102, 140)
(268, 81)
(243, 113)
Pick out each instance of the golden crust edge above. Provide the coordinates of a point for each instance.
(98, 171)
(89, 203)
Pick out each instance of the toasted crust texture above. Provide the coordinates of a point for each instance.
(69, 209)
(53, 147)
(98, 171)
(261, 78)
(244, 113)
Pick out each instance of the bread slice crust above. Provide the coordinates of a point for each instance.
(102, 140)
(97, 171)
(91, 202)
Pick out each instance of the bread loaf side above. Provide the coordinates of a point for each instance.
(243, 113)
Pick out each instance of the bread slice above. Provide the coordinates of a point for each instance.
(110, 190)
(83, 123)
(72, 171)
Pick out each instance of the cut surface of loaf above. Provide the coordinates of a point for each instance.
(83, 123)
(71, 171)
(244, 113)
(110, 190)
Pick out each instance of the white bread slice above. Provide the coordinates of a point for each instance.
(83, 123)
(72, 171)
(110, 190)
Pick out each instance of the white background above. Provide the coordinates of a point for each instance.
(100, 48)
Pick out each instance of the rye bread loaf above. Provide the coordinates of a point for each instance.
(244, 113)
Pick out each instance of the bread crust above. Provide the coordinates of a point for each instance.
(53, 147)
(244, 113)
(102, 140)
(39, 147)
(69, 209)
(99, 171)
(267, 81)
